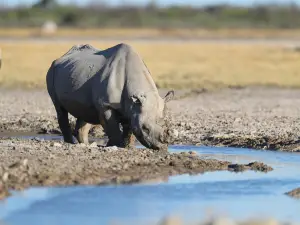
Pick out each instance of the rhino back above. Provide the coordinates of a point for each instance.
(73, 79)
(72, 72)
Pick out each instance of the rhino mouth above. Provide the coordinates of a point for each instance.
(149, 136)
(144, 140)
(147, 143)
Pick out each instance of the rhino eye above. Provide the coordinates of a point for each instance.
(146, 129)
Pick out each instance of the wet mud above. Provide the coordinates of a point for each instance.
(294, 193)
(27, 163)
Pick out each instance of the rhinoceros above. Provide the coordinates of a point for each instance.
(112, 88)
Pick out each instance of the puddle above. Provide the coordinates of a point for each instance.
(237, 195)
(46, 137)
(29, 135)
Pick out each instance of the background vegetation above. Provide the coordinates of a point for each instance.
(101, 15)
(173, 66)
(177, 65)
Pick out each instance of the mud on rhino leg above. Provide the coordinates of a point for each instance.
(82, 131)
(64, 125)
(128, 136)
(112, 129)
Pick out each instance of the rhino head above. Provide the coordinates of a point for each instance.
(148, 121)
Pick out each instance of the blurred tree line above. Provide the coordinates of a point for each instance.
(101, 15)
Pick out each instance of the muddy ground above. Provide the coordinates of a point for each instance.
(26, 163)
(294, 193)
(261, 118)
(254, 117)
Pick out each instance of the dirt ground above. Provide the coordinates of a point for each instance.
(254, 117)
(26, 163)
(294, 193)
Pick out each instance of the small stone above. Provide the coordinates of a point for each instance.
(57, 145)
(112, 148)
(94, 145)
(175, 133)
(23, 121)
(25, 162)
(172, 163)
(294, 193)
(193, 152)
(125, 166)
(237, 120)
(15, 165)
(5, 176)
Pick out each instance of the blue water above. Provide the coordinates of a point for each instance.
(237, 195)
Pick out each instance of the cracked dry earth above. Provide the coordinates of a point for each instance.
(26, 163)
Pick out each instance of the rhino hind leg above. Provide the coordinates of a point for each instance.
(82, 131)
(112, 129)
(64, 125)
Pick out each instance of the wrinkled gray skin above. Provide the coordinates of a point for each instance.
(109, 87)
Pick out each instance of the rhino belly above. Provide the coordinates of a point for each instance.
(86, 112)
(79, 103)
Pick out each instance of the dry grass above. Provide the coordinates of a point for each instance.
(177, 65)
(153, 32)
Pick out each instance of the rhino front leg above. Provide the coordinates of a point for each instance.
(112, 129)
(128, 136)
(82, 131)
(64, 125)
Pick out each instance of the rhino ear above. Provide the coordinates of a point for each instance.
(169, 96)
(138, 99)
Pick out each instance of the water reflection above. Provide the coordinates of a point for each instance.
(23, 200)
(239, 195)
